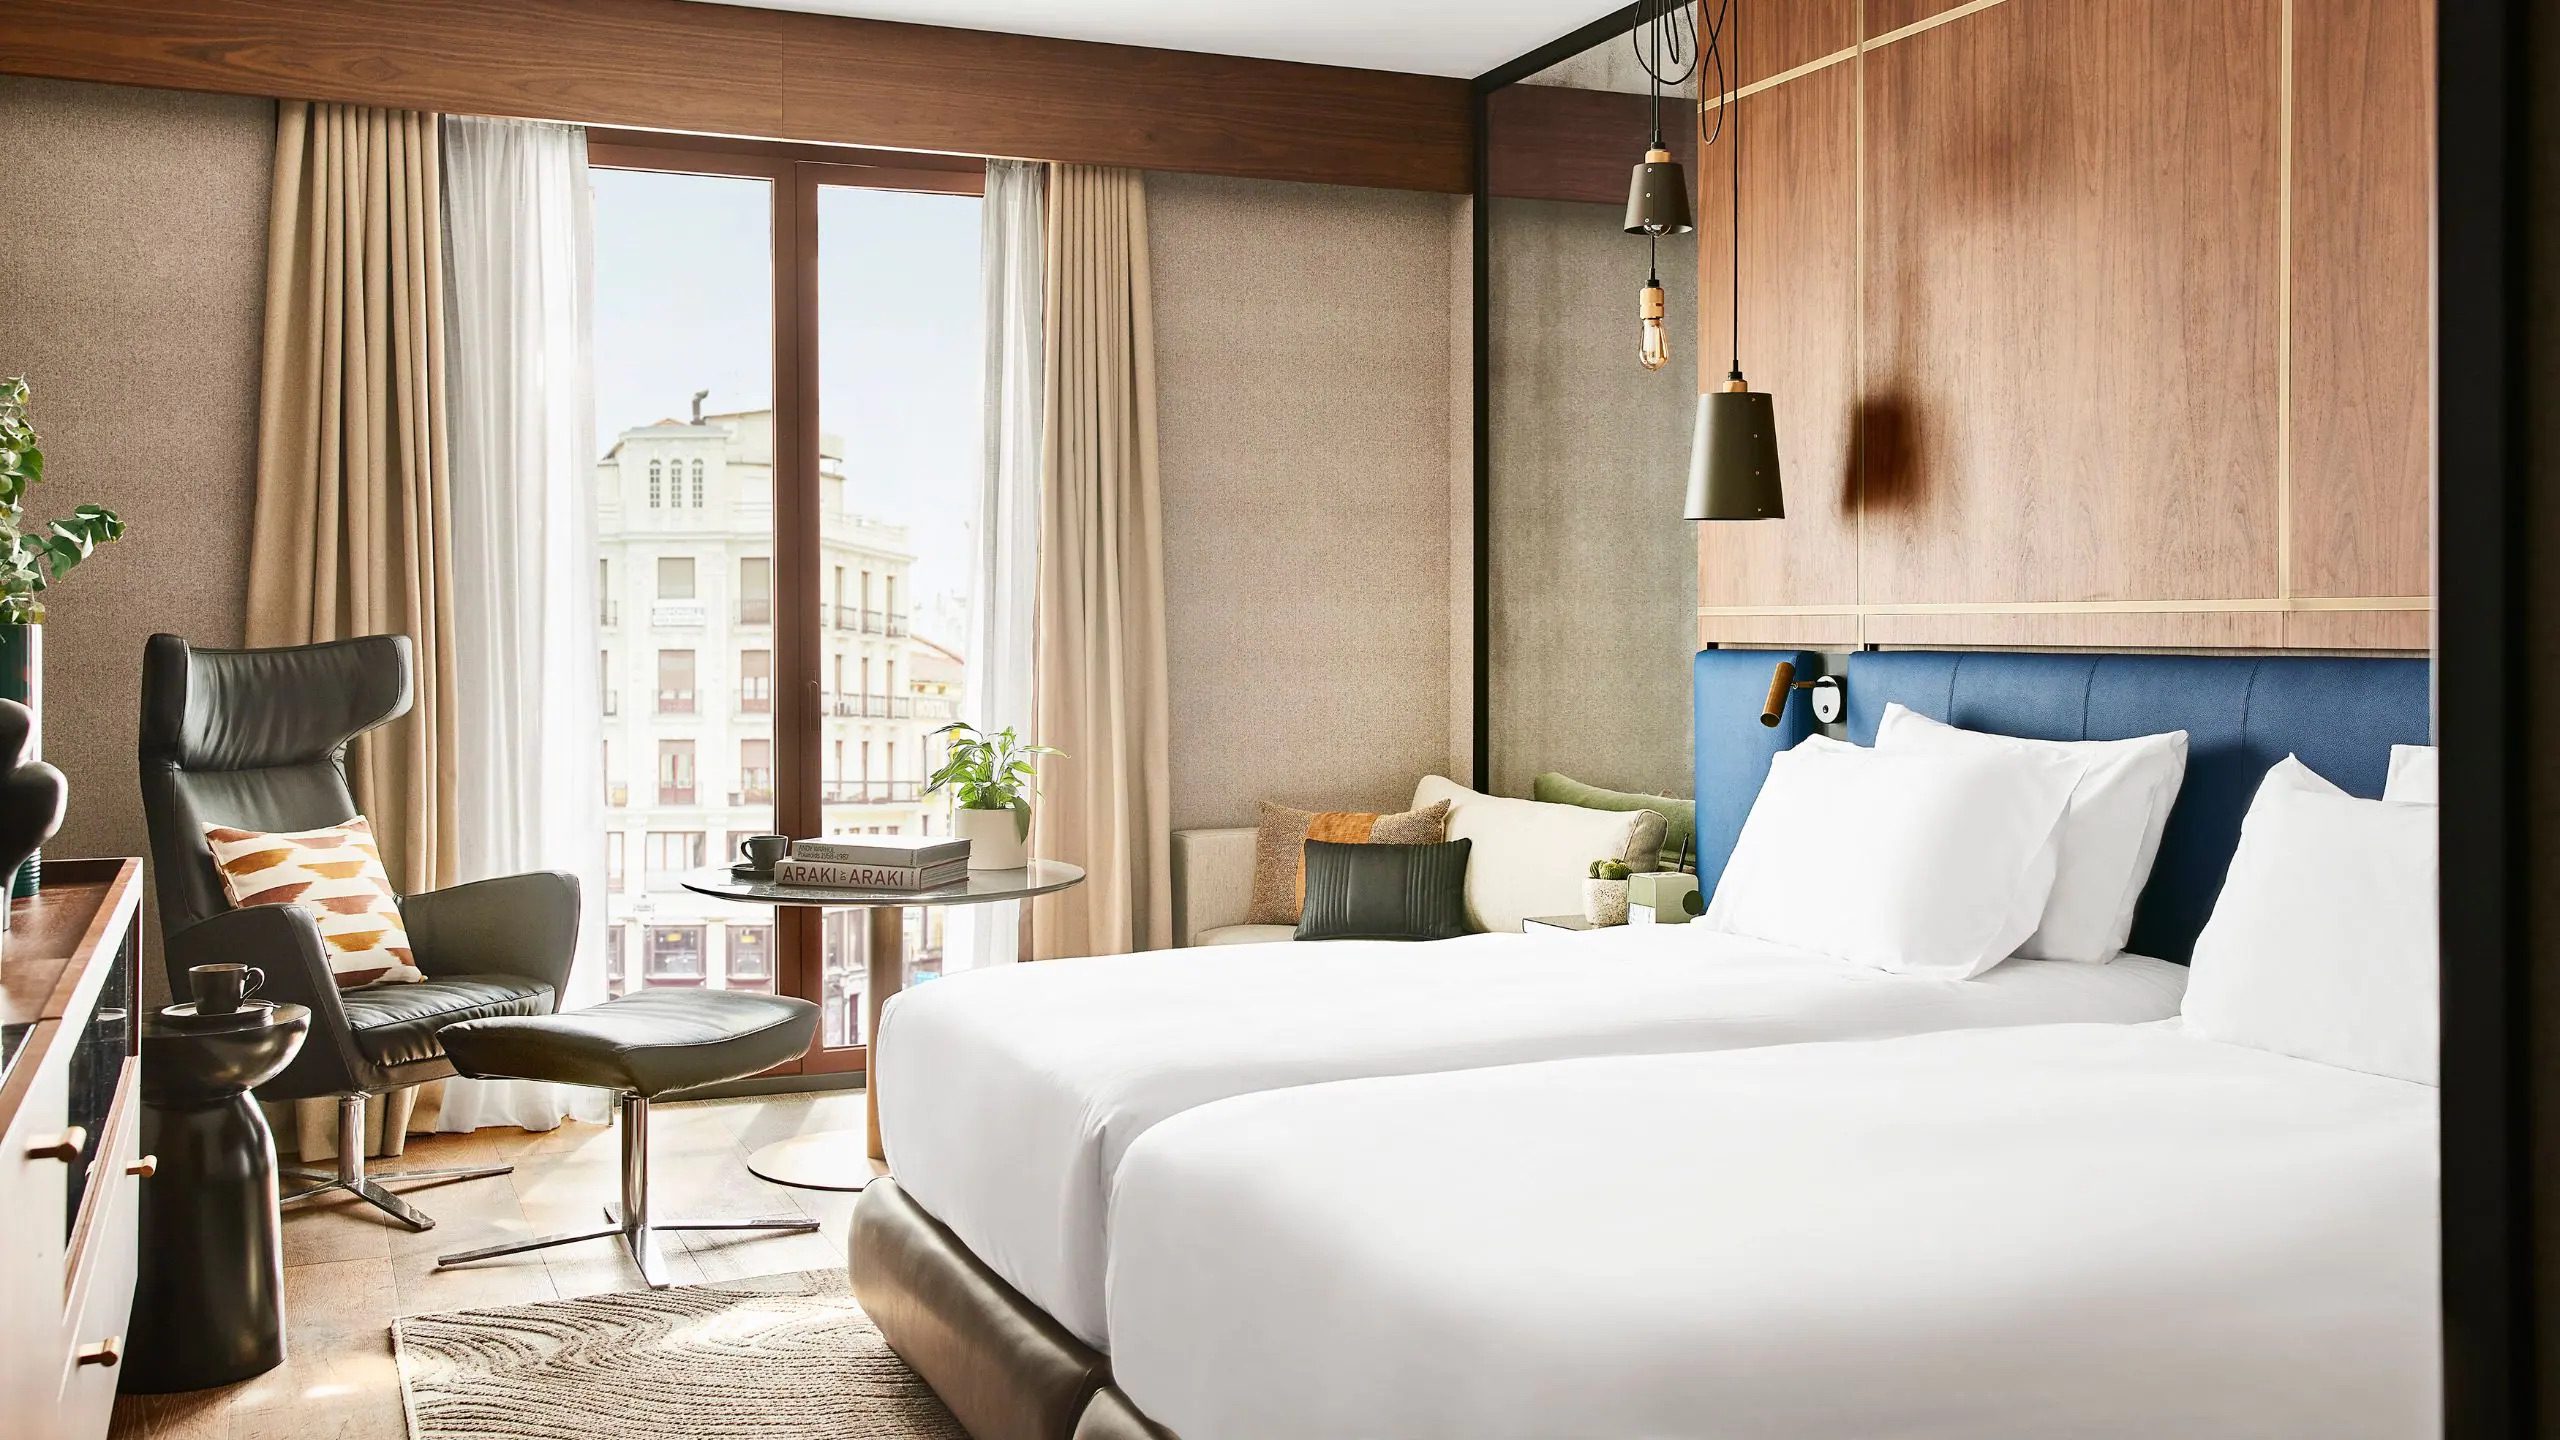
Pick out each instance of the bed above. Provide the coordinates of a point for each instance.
(983, 1262)
(2094, 1231)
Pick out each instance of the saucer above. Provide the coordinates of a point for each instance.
(749, 872)
(184, 1015)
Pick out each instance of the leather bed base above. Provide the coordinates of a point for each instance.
(1007, 1370)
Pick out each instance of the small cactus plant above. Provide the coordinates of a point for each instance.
(1609, 870)
(1604, 894)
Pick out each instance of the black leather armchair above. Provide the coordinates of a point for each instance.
(257, 739)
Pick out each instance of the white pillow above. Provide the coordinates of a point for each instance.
(1531, 857)
(2413, 775)
(2323, 943)
(1923, 864)
(2110, 832)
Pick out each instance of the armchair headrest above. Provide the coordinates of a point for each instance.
(259, 709)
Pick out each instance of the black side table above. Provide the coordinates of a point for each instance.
(209, 1306)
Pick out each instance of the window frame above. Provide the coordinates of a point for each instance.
(796, 174)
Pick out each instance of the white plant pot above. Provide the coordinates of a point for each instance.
(995, 839)
(1604, 902)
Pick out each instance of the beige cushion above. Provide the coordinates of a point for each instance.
(337, 875)
(1531, 858)
(1245, 935)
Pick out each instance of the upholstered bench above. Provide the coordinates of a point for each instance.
(640, 1047)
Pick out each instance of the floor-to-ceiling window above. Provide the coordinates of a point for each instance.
(788, 361)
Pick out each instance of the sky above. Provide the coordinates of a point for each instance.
(684, 302)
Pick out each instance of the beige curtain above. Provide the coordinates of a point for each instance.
(1099, 657)
(350, 533)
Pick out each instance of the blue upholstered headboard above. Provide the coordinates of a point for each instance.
(2241, 714)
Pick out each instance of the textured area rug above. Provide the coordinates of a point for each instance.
(781, 1357)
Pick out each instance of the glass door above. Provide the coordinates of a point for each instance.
(787, 366)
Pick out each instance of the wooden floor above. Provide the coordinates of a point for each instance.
(349, 1272)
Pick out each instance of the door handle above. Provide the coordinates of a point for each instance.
(65, 1147)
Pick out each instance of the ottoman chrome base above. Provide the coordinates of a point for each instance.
(352, 1177)
(632, 1221)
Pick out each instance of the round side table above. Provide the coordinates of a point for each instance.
(840, 1159)
(208, 1308)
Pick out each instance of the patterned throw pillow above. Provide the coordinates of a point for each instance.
(337, 875)
(1280, 849)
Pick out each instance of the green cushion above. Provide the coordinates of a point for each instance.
(1679, 817)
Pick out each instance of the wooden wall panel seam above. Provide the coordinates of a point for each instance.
(2284, 298)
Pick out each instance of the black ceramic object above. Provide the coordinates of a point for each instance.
(31, 792)
(209, 1308)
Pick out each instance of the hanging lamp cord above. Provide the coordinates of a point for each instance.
(1734, 35)
(1664, 33)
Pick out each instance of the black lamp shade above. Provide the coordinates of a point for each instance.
(1733, 459)
(1658, 198)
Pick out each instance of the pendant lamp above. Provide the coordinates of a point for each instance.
(1733, 452)
(1658, 192)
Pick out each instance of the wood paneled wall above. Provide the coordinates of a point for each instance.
(2089, 323)
(730, 70)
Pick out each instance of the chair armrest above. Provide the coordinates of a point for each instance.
(284, 941)
(1212, 880)
(524, 925)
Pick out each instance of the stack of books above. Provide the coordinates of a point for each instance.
(875, 862)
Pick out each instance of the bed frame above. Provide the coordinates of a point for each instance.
(1011, 1372)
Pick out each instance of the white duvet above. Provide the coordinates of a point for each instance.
(1008, 1096)
(2070, 1231)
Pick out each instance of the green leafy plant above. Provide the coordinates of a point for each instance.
(1609, 870)
(989, 772)
(30, 562)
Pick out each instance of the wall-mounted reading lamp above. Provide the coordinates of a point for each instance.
(1830, 701)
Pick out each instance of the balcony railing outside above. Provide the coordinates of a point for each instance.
(869, 622)
(670, 793)
(846, 705)
(753, 793)
(608, 613)
(755, 612)
(613, 702)
(873, 792)
(755, 698)
(675, 702)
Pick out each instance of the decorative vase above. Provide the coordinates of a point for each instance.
(994, 836)
(1604, 902)
(22, 680)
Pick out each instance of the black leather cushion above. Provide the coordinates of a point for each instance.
(1385, 892)
(649, 1043)
(400, 1024)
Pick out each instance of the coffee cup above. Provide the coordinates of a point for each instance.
(220, 989)
(760, 851)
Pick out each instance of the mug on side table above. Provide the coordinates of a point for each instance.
(219, 989)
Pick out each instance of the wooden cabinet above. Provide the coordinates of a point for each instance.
(70, 1118)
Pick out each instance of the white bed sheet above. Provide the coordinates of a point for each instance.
(1008, 1096)
(2084, 1231)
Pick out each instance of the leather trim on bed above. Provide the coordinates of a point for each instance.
(1111, 1416)
(1007, 1370)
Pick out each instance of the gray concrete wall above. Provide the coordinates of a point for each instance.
(1594, 575)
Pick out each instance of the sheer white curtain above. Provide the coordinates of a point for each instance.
(1005, 568)
(519, 397)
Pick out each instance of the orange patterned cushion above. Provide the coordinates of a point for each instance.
(1280, 849)
(337, 875)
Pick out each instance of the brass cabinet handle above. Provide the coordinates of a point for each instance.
(65, 1147)
(104, 1352)
(146, 1167)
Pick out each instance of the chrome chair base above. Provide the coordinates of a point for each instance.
(631, 1221)
(352, 1178)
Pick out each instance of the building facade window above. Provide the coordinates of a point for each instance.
(755, 770)
(675, 955)
(657, 493)
(750, 962)
(675, 682)
(670, 854)
(755, 682)
(697, 485)
(755, 590)
(675, 577)
(675, 772)
(614, 945)
(614, 845)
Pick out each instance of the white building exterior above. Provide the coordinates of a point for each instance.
(684, 514)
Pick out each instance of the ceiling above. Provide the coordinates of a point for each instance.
(1424, 37)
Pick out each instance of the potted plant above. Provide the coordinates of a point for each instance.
(991, 779)
(1604, 895)
(32, 557)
